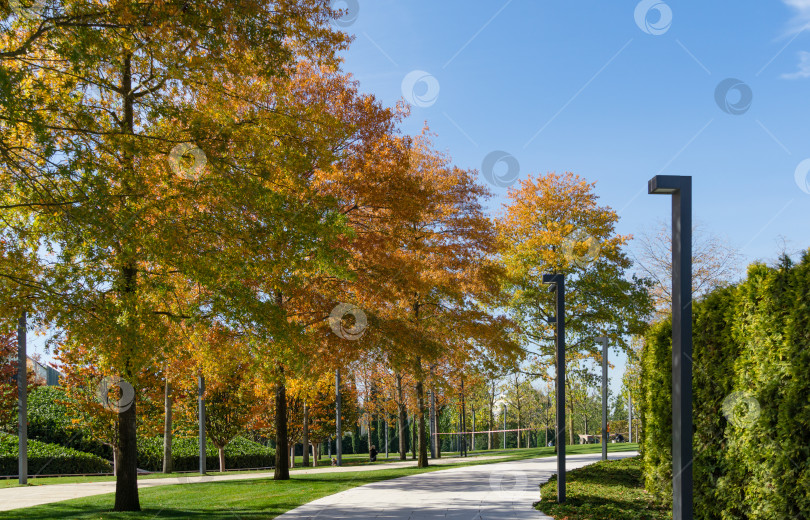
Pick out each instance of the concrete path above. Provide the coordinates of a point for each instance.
(497, 491)
(19, 497)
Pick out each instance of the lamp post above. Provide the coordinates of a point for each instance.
(504, 425)
(201, 411)
(680, 187)
(558, 282)
(604, 341)
(22, 396)
(339, 439)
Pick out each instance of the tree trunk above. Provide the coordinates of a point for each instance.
(221, 452)
(413, 438)
(305, 461)
(168, 463)
(126, 483)
(420, 398)
(402, 419)
(282, 471)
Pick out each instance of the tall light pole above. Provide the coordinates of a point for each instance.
(630, 416)
(680, 187)
(22, 396)
(201, 411)
(558, 282)
(504, 425)
(604, 341)
(339, 440)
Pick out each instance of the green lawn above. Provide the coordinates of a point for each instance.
(610, 490)
(246, 499)
(348, 460)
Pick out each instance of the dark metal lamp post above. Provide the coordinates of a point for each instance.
(558, 281)
(201, 412)
(604, 341)
(680, 187)
(339, 432)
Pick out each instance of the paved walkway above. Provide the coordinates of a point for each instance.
(18, 497)
(499, 491)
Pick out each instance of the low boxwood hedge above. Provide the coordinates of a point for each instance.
(48, 459)
(239, 453)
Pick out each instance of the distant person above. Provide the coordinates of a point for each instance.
(619, 437)
(334, 461)
(372, 454)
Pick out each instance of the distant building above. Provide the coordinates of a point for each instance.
(44, 374)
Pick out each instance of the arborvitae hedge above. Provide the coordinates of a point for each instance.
(751, 401)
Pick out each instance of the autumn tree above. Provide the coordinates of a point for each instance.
(553, 224)
(104, 93)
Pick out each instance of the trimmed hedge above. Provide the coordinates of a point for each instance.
(49, 420)
(48, 459)
(751, 398)
(239, 453)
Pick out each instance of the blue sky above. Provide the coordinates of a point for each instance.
(616, 92)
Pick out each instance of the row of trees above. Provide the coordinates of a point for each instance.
(193, 189)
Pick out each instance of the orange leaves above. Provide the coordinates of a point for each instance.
(554, 224)
(555, 221)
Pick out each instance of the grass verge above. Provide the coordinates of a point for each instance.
(348, 460)
(610, 490)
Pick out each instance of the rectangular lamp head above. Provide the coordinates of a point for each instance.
(668, 184)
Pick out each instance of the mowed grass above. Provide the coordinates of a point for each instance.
(246, 499)
(348, 460)
(611, 490)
